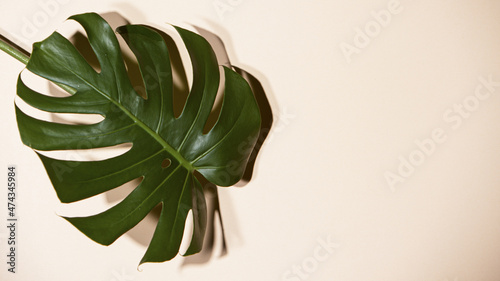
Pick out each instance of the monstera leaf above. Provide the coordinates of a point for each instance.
(166, 150)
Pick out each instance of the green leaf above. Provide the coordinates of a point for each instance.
(148, 124)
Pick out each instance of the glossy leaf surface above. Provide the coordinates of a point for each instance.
(148, 124)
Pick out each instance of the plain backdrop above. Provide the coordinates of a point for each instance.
(385, 143)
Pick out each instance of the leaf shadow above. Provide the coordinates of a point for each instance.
(143, 232)
(260, 96)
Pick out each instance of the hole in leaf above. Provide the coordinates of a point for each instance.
(117, 194)
(216, 108)
(99, 202)
(143, 231)
(133, 70)
(180, 69)
(166, 163)
(187, 234)
(42, 85)
(82, 44)
(61, 118)
(87, 152)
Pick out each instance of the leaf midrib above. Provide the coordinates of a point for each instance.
(136, 120)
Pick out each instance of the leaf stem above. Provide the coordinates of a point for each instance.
(13, 50)
(23, 56)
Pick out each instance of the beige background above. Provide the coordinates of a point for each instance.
(342, 123)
